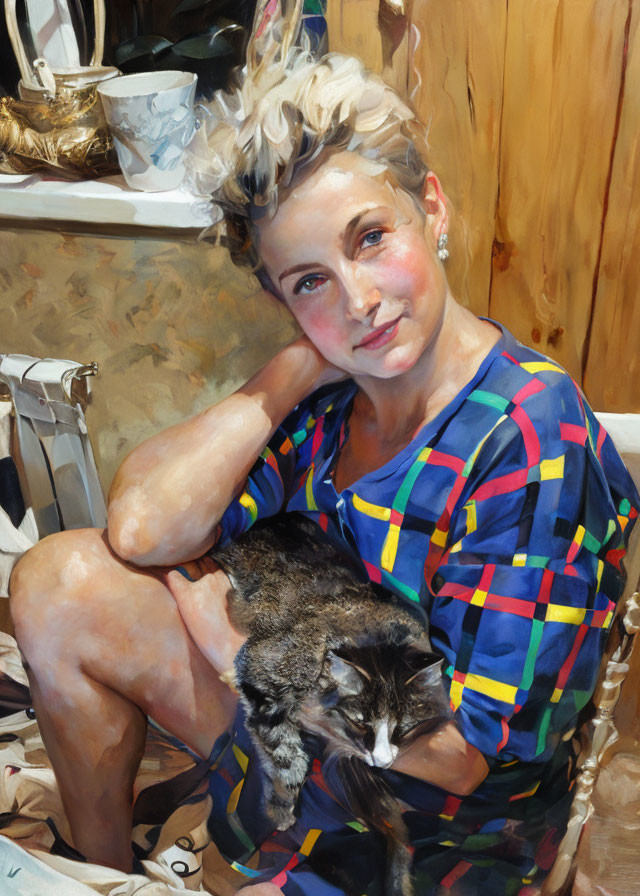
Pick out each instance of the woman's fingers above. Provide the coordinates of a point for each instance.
(202, 604)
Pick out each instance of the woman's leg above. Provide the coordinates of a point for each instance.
(105, 646)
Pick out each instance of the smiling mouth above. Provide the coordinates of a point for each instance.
(380, 336)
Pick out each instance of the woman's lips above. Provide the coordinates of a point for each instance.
(380, 336)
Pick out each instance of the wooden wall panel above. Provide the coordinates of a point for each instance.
(563, 66)
(456, 78)
(612, 374)
(352, 26)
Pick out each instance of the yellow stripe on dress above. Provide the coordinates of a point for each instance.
(309, 841)
(250, 505)
(390, 548)
(552, 468)
(232, 805)
(241, 758)
(496, 689)
(539, 366)
(372, 510)
(569, 615)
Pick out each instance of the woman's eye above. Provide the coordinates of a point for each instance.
(308, 284)
(372, 238)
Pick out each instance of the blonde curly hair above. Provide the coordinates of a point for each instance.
(281, 118)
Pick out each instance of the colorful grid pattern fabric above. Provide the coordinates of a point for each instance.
(506, 519)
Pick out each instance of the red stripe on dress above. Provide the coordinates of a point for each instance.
(505, 734)
(451, 806)
(515, 606)
(545, 587)
(571, 432)
(272, 846)
(373, 572)
(454, 494)
(440, 459)
(487, 574)
(602, 435)
(455, 874)
(614, 556)
(501, 485)
(280, 879)
(532, 388)
(563, 674)
(317, 436)
(530, 436)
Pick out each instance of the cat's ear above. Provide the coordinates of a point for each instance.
(430, 675)
(347, 676)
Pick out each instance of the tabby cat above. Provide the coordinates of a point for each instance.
(331, 655)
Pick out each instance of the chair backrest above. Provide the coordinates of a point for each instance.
(601, 733)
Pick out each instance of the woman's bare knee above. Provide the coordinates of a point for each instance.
(53, 580)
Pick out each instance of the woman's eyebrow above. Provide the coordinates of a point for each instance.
(297, 268)
(355, 221)
(345, 236)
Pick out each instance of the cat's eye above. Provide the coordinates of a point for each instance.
(354, 721)
(358, 727)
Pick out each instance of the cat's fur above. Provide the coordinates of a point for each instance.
(328, 654)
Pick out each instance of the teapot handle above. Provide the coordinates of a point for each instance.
(99, 18)
(26, 73)
(18, 47)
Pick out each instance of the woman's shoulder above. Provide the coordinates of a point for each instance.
(534, 416)
(519, 374)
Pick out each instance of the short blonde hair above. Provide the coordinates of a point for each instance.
(265, 132)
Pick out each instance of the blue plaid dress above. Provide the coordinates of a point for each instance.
(506, 519)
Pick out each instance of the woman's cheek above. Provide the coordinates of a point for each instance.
(406, 270)
(323, 329)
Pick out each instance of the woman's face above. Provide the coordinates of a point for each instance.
(355, 260)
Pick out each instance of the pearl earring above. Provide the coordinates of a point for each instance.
(443, 252)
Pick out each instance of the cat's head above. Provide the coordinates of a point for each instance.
(374, 699)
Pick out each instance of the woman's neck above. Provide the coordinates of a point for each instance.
(392, 410)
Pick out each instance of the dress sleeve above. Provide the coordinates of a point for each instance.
(524, 596)
(270, 481)
(278, 471)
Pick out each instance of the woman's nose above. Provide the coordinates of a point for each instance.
(362, 301)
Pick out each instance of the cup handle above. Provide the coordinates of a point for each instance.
(201, 118)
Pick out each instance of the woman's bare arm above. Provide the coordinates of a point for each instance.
(170, 492)
(445, 759)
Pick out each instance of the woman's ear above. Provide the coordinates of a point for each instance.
(435, 205)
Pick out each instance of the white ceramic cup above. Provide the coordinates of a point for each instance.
(152, 119)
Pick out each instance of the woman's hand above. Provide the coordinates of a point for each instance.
(308, 356)
(444, 758)
(327, 372)
(202, 604)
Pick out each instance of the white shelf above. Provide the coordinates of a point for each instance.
(107, 200)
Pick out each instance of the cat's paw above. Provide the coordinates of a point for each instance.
(287, 822)
(282, 816)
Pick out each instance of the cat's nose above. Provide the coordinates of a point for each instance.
(384, 752)
(384, 755)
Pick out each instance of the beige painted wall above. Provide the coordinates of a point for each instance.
(172, 324)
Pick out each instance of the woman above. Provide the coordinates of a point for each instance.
(465, 470)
